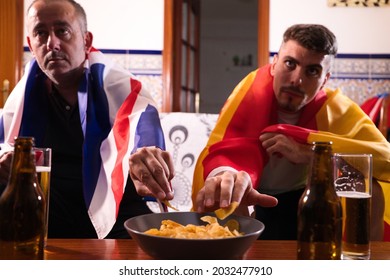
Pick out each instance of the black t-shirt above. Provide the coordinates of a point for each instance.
(68, 216)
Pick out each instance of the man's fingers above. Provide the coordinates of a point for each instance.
(154, 169)
(255, 198)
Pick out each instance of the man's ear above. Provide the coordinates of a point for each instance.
(29, 44)
(88, 41)
(274, 60)
(327, 77)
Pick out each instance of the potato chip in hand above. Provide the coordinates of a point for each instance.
(223, 213)
(169, 205)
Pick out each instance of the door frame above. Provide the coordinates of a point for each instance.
(171, 61)
(11, 45)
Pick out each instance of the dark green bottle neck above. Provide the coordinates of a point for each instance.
(23, 161)
(321, 172)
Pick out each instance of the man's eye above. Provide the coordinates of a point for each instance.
(40, 33)
(289, 64)
(62, 32)
(313, 72)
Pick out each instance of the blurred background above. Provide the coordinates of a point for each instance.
(191, 53)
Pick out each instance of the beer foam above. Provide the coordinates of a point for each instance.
(43, 168)
(353, 194)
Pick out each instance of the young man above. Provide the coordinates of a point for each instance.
(103, 127)
(261, 143)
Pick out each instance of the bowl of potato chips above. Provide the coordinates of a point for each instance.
(191, 235)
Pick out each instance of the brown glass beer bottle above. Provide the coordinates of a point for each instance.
(319, 210)
(22, 207)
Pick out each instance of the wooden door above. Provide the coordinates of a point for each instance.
(11, 45)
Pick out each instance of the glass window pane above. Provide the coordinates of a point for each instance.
(192, 22)
(191, 82)
(192, 103)
(183, 100)
(184, 65)
(185, 21)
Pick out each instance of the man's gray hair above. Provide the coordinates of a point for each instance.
(80, 12)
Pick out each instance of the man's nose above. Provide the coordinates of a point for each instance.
(296, 78)
(53, 42)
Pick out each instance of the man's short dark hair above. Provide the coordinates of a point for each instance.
(313, 37)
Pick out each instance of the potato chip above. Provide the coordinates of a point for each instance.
(212, 230)
(233, 224)
(223, 213)
(209, 219)
(169, 205)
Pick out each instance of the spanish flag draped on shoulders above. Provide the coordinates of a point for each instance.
(251, 110)
(373, 108)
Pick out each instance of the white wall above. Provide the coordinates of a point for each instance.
(124, 24)
(359, 30)
(138, 24)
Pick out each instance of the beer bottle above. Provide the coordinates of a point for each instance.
(319, 210)
(22, 207)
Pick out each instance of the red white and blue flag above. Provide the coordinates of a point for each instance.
(117, 116)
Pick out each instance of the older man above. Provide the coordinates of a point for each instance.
(101, 124)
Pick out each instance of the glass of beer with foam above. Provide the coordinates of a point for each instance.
(353, 183)
(43, 167)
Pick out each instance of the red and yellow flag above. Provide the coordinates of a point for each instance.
(251, 110)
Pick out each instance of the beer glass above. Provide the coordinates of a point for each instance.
(43, 167)
(353, 183)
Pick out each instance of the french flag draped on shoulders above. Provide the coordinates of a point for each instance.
(251, 110)
(117, 116)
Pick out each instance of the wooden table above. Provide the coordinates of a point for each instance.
(127, 249)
